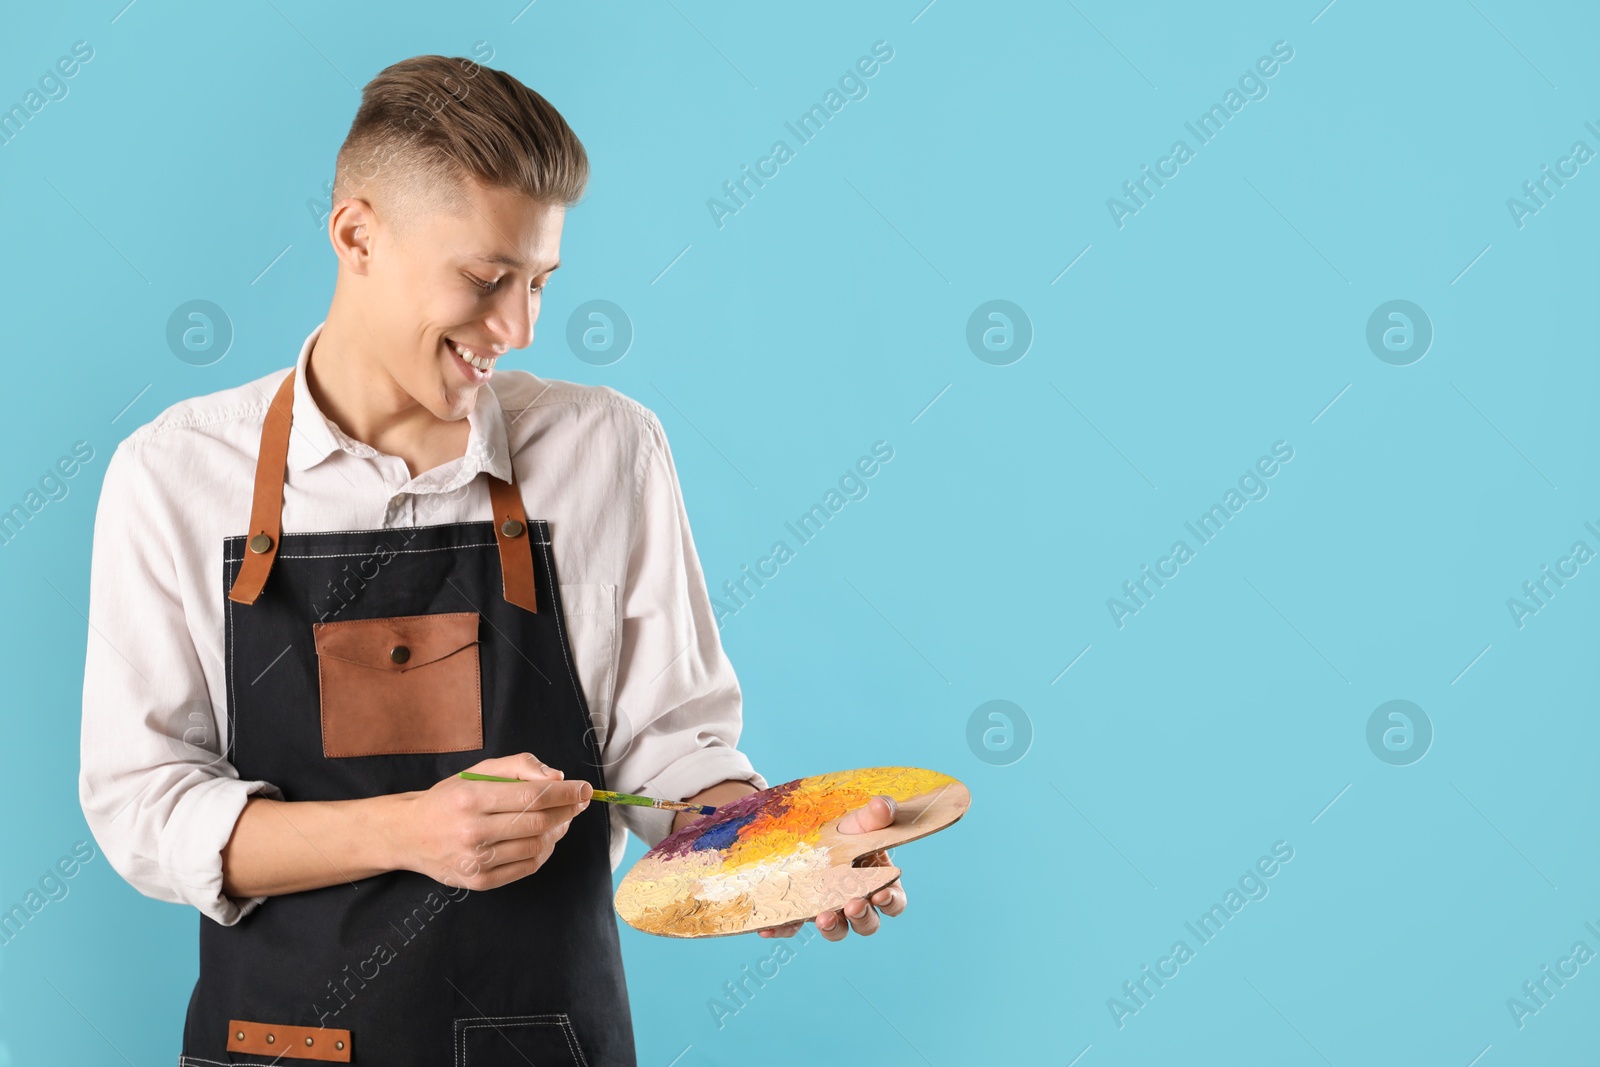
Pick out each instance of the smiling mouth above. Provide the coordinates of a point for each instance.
(471, 356)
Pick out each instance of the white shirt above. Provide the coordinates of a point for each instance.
(664, 700)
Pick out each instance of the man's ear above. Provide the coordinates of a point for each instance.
(350, 233)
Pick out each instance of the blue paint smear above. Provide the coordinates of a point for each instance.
(723, 834)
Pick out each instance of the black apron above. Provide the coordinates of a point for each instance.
(383, 661)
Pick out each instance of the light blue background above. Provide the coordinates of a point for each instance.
(1223, 317)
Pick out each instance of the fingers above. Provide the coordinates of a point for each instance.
(786, 930)
(860, 914)
(487, 866)
(483, 834)
(529, 796)
(505, 873)
(539, 786)
(512, 825)
(856, 915)
(833, 926)
(521, 765)
(863, 916)
(891, 899)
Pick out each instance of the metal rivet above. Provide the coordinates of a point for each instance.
(308, 1041)
(511, 528)
(338, 1044)
(240, 1035)
(270, 1039)
(399, 653)
(260, 543)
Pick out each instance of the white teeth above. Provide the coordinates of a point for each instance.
(481, 362)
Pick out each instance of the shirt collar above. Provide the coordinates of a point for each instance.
(315, 437)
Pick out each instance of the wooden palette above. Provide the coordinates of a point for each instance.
(777, 855)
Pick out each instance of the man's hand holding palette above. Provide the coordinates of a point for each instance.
(779, 857)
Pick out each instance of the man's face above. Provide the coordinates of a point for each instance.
(461, 286)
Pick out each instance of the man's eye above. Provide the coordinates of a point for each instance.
(489, 287)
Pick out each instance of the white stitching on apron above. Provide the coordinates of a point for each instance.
(488, 1022)
(537, 523)
(561, 632)
(395, 551)
(233, 701)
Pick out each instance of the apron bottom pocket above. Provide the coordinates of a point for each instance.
(493, 1040)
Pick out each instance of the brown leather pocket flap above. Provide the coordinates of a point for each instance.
(400, 684)
(398, 642)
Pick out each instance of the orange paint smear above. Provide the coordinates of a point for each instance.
(820, 800)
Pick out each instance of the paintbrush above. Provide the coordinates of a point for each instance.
(606, 796)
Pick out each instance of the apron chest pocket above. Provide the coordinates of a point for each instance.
(401, 684)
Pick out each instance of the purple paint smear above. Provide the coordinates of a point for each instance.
(721, 830)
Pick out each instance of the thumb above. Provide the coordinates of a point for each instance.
(875, 814)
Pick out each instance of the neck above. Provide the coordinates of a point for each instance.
(354, 390)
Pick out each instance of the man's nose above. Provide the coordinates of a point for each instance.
(512, 323)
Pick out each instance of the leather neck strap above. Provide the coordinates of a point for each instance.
(266, 514)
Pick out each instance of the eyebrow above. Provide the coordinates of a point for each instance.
(507, 260)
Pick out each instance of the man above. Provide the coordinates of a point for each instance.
(448, 566)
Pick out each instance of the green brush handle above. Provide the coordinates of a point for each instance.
(608, 796)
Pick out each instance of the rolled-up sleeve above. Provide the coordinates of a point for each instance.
(157, 793)
(677, 714)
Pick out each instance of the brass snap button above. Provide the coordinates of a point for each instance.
(338, 1044)
(308, 1042)
(399, 653)
(271, 1039)
(260, 543)
(511, 528)
(240, 1035)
